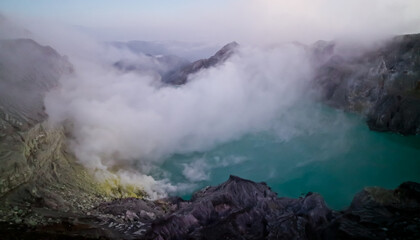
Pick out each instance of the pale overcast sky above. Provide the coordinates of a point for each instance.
(252, 21)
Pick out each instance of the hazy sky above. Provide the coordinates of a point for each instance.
(216, 20)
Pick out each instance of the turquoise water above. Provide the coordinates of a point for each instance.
(327, 151)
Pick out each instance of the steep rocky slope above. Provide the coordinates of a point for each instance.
(383, 83)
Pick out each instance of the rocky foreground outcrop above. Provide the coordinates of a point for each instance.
(382, 83)
(242, 209)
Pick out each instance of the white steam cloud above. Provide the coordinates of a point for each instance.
(200, 169)
(124, 118)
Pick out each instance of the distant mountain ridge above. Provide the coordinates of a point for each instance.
(180, 76)
(174, 70)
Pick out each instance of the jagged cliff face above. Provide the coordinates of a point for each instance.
(383, 84)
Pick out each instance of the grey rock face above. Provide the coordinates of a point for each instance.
(242, 209)
(383, 84)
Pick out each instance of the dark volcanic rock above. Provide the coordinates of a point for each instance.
(180, 76)
(377, 213)
(242, 209)
(396, 113)
(383, 84)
